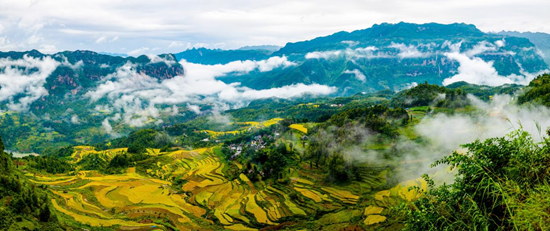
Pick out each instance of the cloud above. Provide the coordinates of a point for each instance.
(497, 118)
(22, 80)
(408, 51)
(477, 71)
(158, 59)
(500, 43)
(358, 75)
(101, 39)
(323, 54)
(369, 52)
(350, 43)
(75, 119)
(135, 95)
(105, 39)
(70, 24)
(480, 48)
(175, 44)
(47, 49)
(139, 51)
(106, 125)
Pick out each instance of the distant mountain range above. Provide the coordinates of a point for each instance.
(387, 56)
(68, 94)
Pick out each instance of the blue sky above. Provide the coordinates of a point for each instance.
(152, 27)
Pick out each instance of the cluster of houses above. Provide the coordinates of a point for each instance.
(258, 142)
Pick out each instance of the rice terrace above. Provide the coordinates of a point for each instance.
(206, 195)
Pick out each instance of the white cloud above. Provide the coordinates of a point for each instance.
(350, 43)
(48, 49)
(357, 53)
(18, 78)
(477, 71)
(480, 48)
(101, 39)
(105, 39)
(107, 126)
(140, 51)
(70, 24)
(408, 51)
(158, 59)
(323, 54)
(358, 75)
(135, 95)
(75, 119)
(194, 108)
(174, 44)
(500, 43)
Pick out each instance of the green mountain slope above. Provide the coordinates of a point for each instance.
(541, 40)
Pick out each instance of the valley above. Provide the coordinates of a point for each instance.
(398, 126)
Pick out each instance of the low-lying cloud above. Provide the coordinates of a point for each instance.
(358, 74)
(475, 70)
(22, 80)
(134, 95)
(408, 51)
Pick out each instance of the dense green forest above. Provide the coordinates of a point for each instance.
(23, 205)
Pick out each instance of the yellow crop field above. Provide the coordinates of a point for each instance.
(259, 213)
(99, 222)
(299, 127)
(153, 151)
(372, 210)
(249, 124)
(310, 194)
(271, 122)
(236, 203)
(342, 195)
(239, 227)
(374, 219)
(380, 195)
(83, 151)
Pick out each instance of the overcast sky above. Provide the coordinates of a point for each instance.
(152, 27)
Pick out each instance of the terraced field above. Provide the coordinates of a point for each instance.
(299, 127)
(247, 127)
(83, 151)
(208, 199)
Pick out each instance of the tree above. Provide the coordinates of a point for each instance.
(1, 145)
(499, 185)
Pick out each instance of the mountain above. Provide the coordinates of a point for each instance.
(394, 56)
(49, 99)
(271, 48)
(78, 97)
(541, 40)
(218, 56)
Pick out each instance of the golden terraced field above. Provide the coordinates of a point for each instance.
(207, 199)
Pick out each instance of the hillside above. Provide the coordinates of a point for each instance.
(541, 40)
(351, 163)
(394, 56)
(84, 97)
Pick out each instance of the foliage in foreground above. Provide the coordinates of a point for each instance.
(501, 184)
(23, 206)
